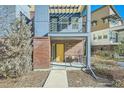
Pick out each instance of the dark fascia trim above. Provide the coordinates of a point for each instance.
(38, 37)
(112, 7)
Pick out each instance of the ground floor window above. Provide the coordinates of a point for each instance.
(53, 52)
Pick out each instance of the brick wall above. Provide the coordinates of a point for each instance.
(41, 53)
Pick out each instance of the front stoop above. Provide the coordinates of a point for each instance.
(56, 79)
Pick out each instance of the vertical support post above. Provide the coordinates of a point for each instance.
(88, 45)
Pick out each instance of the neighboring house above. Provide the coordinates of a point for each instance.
(8, 13)
(121, 35)
(59, 36)
(107, 29)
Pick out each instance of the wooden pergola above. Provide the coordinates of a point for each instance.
(65, 8)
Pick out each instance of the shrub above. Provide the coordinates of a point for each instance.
(97, 60)
(105, 54)
(118, 83)
(16, 50)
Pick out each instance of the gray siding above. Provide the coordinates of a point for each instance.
(41, 20)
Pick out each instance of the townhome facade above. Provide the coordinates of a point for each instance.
(107, 26)
(59, 36)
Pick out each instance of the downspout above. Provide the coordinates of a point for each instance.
(88, 45)
(88, 63)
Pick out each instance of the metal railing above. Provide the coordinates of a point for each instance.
(65, 27)
(73, 58)
(71, 61)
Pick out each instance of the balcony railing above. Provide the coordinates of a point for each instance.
(65, 27)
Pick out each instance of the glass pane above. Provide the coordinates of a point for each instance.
(74, 22)
(53, 52)
(53, 25)
(64, 23)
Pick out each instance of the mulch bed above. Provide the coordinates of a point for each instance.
(32, 79)
(80, 79)
(77, 78)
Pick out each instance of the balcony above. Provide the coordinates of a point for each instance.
(65, 27)
(65, 19)
(60, 20)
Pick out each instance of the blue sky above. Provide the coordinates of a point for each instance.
(119, 8)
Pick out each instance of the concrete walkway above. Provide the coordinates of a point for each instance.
(57, 79)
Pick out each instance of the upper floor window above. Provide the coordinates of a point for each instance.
(94, 23)
(99, 37)
(53, 24)
(94, 37)
(116, 35)
(64, 22)
(105, 36)
(105, 20)
(114, 22)
(74, 22)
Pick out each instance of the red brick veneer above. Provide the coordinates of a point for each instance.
(41, 52)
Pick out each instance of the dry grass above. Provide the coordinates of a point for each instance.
(108, 69)
(111, 73)
(32, 79)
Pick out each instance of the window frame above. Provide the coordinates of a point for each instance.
(105, 36)
(99, 37)
(75, 25)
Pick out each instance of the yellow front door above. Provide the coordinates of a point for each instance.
(59, 52)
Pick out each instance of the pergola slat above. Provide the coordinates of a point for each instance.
(65, 8)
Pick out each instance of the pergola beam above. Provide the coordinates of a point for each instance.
(74, 10)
